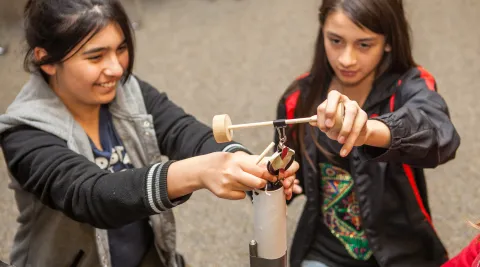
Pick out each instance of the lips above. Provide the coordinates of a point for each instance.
(348, 73)
(107, 84)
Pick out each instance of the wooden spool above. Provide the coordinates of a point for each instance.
(221, 128)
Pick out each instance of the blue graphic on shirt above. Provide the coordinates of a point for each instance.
(114, 160)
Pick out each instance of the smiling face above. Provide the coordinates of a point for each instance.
(91, 75)
(353, 52)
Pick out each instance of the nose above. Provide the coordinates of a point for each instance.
(113, 67)
(347, 58)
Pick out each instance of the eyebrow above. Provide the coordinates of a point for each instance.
(100, 49)
(369, 39)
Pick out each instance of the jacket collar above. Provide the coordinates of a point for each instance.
(383, 88)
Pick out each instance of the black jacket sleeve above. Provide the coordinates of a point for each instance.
(180, 135)
(422, 134)
(66, 181)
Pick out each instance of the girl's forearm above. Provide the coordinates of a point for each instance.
(378, 134)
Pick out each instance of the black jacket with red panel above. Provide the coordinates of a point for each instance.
(389, 183)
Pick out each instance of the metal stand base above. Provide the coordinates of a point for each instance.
(260, 262)
(256, 261)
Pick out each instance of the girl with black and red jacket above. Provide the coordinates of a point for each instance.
(365, 186)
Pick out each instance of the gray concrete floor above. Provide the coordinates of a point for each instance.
(237, 57)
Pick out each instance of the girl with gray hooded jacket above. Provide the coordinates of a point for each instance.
(83, 141)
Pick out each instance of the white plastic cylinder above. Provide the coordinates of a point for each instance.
(270, 223)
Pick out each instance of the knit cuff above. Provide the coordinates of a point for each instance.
(236, 147)
(157, 190)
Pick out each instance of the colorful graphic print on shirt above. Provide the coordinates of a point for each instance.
(341, 211)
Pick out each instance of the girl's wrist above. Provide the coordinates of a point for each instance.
(378, 134)
(184, 177)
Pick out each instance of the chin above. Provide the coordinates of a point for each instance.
(350, 81)
(106, 98)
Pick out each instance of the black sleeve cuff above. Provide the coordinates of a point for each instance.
(232, 148)
(397, 131)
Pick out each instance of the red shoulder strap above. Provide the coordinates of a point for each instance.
(291, 104)
(291, 101)
(428, 78)
(392, 103)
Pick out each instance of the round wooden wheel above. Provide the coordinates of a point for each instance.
(220, 128)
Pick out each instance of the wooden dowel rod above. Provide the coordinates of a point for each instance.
(250, 125)
(268, 123)
(269, 148)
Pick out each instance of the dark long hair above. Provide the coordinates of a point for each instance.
(58, 26)
(385, 17)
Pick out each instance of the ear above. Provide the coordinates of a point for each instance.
(39, 54)
(388, 48)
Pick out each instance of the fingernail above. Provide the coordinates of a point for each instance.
(343, 153)
(341, 139)
(329, 123)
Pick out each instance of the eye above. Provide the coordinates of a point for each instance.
(365, 45)
(335, 41)
(95, 58)
(122, 48)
